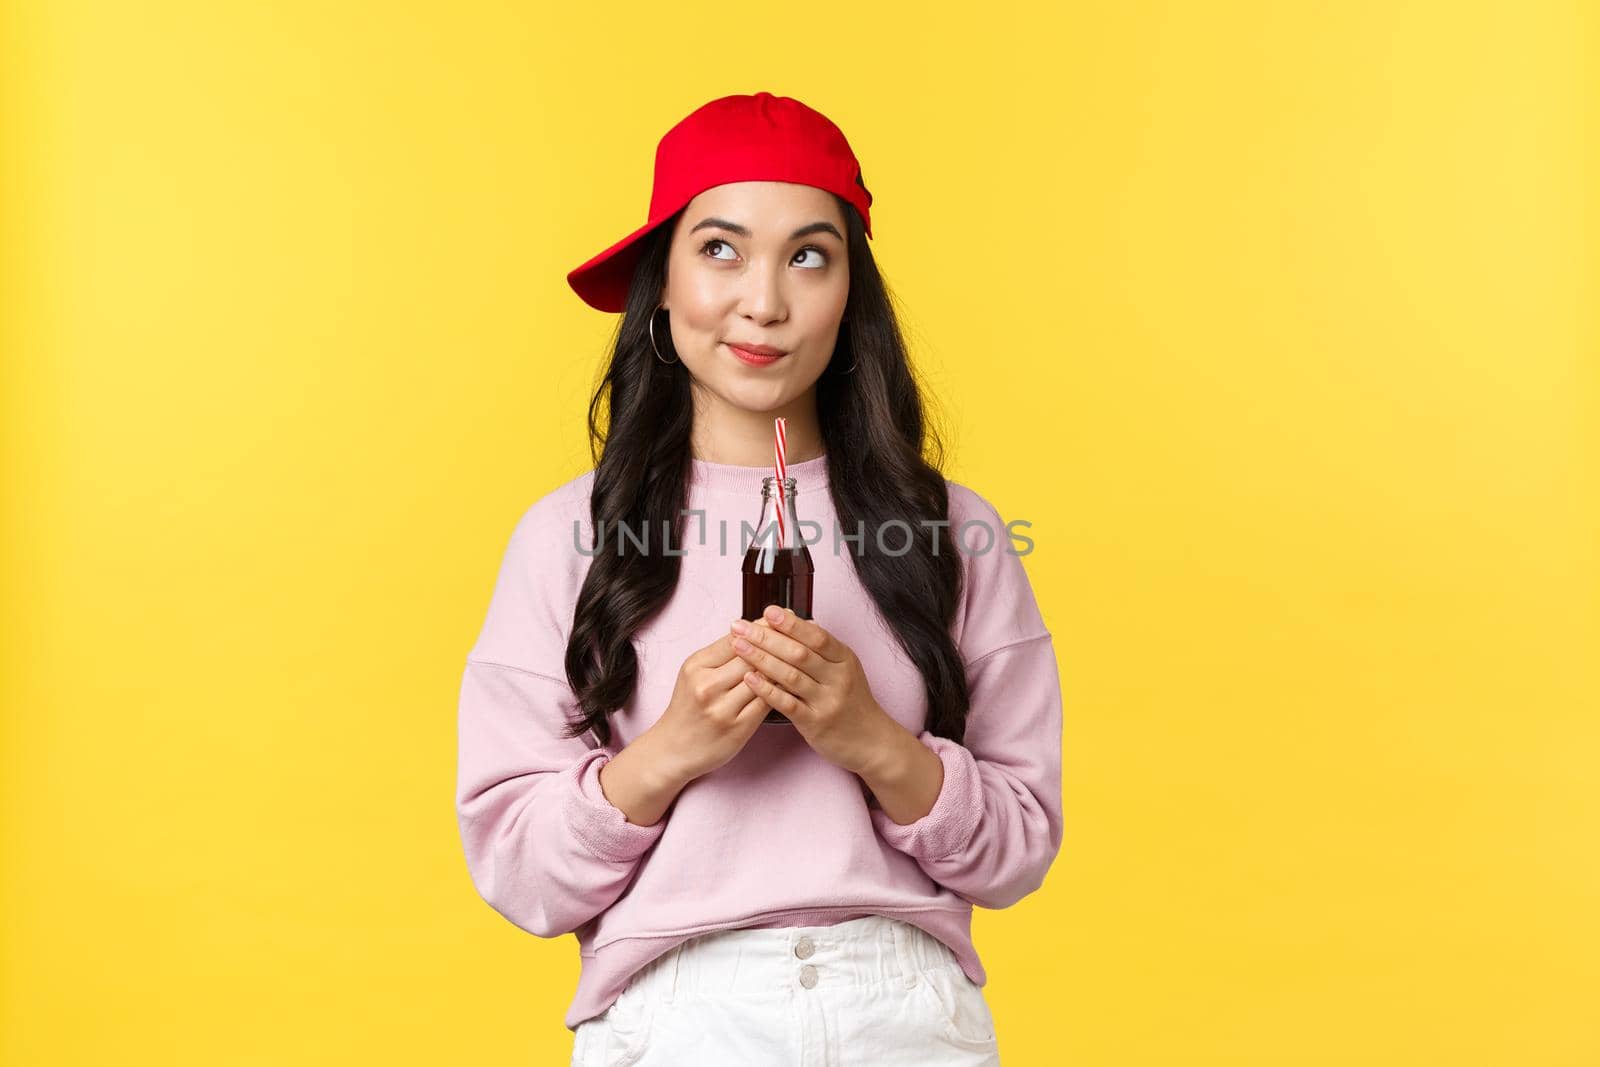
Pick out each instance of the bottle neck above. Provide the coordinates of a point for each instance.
(767, 527)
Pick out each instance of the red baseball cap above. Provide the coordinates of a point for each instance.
(759, 137)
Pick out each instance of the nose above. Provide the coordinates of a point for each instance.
(761, 296)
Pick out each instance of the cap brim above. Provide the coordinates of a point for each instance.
(604, 280)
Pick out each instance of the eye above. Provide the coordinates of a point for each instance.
(808, 248)
(818, 251)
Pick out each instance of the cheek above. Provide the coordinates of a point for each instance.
(695, 329)
(699, 294)
(822, 336)
(696, 311)
(816, 359)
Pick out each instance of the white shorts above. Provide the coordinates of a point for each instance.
(867, 992)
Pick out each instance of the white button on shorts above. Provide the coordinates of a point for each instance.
(895, 996)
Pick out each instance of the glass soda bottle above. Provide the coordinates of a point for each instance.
(774, 575)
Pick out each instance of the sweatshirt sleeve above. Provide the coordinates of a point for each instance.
(544, 847)
(996, 826)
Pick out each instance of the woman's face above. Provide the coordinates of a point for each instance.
(757, 263)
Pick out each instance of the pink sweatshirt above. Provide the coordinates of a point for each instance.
(778, 836)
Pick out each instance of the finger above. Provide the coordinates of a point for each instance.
(728, 674)
(738, 697)
(721, 650)
(756, 709)
(806, 632)
(790, 651)
(778, 697)
(779, 671)
(716, 654)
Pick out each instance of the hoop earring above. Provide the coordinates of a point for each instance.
(668, 362)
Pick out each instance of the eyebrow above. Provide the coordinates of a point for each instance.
(815, 227)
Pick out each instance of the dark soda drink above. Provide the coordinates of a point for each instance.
(773, 574)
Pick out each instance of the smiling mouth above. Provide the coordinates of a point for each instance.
(756, 359)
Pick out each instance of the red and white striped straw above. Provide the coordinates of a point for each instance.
(779, 446)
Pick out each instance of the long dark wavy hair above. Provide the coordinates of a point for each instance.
(873, 429)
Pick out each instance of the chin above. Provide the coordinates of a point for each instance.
(758, 396)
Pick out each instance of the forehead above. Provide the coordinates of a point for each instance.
(770, 209)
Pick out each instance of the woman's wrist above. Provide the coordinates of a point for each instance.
(907, 777)
(640, 782)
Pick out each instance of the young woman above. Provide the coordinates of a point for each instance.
(747, 891)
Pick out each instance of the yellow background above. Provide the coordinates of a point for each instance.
(1275, 319)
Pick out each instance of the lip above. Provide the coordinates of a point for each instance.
(757, 356)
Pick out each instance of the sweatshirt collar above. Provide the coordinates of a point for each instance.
(809, 476)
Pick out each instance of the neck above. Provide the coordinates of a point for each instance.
(732, 436)
(810, 475)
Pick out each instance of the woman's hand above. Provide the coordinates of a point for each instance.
(813, 678)
(711, 715)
